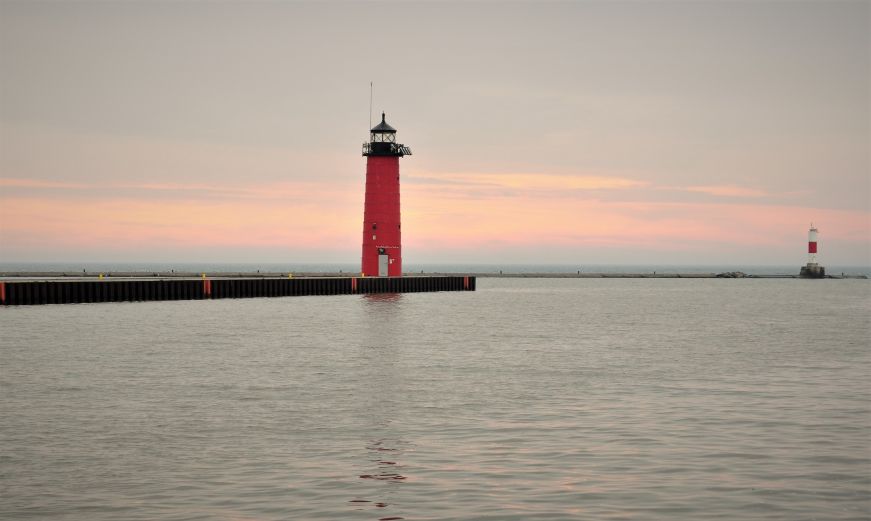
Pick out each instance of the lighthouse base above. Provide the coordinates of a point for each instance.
(812, 271)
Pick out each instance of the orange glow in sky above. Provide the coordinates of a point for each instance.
(462, 214)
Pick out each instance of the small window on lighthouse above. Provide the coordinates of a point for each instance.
(390, 137)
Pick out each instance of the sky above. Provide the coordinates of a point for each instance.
(643, 132)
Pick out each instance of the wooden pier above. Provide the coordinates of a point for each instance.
(80, 291)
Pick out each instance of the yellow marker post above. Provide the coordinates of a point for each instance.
(290, 275)
(101, 276)
(204, 275)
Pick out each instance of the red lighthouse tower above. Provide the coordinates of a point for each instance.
(382, 233)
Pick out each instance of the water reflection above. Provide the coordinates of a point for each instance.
(386, 470)
(382, 314)
(382, 385)
(383, 456)
(382, 297)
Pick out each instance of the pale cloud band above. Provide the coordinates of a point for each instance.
(519, 212)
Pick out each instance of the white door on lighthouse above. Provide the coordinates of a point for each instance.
(383, 262)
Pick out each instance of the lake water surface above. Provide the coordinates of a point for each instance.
(528, 399)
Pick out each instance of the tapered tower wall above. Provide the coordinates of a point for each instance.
(382, 232)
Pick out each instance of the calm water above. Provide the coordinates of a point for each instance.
(528, 399)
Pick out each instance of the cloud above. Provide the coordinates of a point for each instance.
(7, 182)
(468, 214)
(435, 221)
(285, 191)
(727, 191)
(439, 218)
(528, 181)
(130, 223)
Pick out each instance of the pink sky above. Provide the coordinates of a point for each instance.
(591, 133)
(460, 218)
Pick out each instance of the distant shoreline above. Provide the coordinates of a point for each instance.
(312, 274)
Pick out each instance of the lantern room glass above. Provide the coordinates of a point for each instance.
(385, 137)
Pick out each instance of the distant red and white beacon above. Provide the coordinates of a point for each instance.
(812, 270)
(812, 245)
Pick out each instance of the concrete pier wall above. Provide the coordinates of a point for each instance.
(60, 291)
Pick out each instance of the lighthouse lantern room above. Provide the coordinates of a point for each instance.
(382, 229)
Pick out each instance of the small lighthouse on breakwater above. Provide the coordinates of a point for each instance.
(812, 270)
(382, 229)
